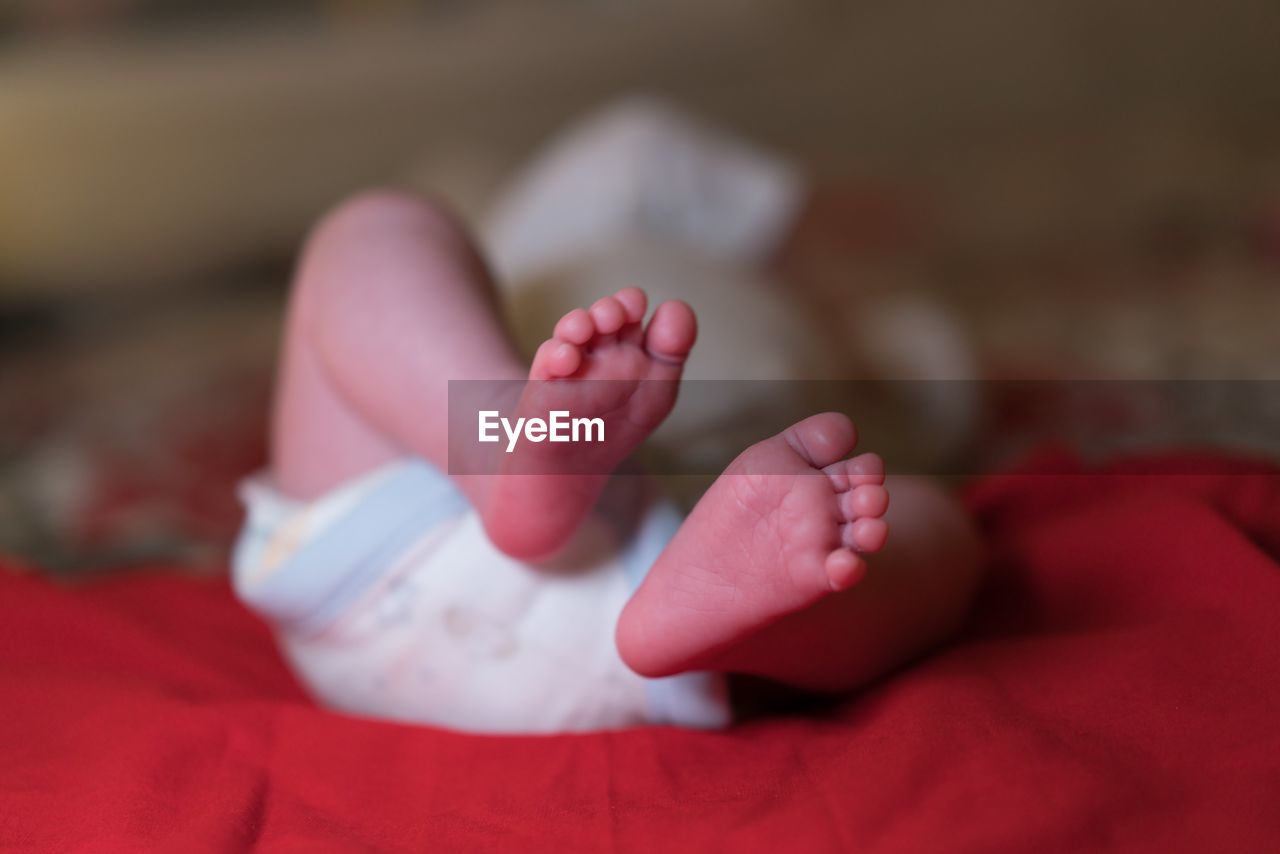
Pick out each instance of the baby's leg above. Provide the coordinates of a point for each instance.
(767, 576)
(605, 364)
(391, 303)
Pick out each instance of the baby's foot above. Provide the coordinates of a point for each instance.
(785, 525)
(600, 363)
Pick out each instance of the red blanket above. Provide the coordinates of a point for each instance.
(1118, 687)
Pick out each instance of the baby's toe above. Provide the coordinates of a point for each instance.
(634, 303)
(671, 332)
(555, 359)
(865, 535)
(866, 501)
(576, 327)
(862, 470)
(608, 315)
(822, 439)
(866, 469)
(844, 569)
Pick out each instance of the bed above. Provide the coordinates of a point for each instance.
(1116, 688)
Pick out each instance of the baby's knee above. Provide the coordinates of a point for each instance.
(379, 211)
(379, 245)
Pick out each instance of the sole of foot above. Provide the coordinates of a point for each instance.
(602, 363)
(789, 522)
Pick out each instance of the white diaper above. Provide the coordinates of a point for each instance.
(389, 601)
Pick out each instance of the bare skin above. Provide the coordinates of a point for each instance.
(602, 362)
(392, 302)
(767, 576)
(786, 525)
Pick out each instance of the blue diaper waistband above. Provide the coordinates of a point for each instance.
(345, 559)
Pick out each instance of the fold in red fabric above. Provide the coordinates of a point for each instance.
(1118, 687)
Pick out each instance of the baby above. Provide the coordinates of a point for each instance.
(419, 576)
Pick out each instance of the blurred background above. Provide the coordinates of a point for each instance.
(1079, 190)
